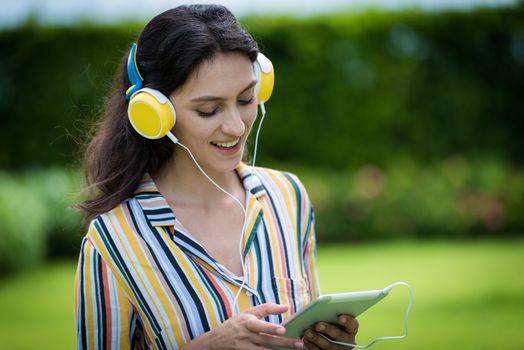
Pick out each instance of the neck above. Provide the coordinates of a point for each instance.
(180, 181)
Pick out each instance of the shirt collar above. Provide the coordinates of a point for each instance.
(250, 180)
(158, 211)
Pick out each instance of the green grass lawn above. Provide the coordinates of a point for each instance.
(466, 296)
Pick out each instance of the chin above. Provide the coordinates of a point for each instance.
(223, 163)
(220, 165)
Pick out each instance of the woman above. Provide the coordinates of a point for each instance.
(160, 266)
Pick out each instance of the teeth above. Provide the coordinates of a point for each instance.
(225, 144)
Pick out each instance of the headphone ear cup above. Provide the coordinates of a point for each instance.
(151, 113)
(266, 78)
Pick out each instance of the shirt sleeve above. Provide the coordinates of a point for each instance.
(103, 313)
(309, 253)
(308, 238)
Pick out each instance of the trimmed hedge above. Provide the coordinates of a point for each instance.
(411, 120)
(350, 90)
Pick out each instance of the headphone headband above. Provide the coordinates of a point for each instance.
(152, 114)
(133, 73)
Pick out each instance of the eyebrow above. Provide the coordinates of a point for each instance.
(218, 98)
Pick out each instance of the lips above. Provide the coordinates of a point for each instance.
(226, 144)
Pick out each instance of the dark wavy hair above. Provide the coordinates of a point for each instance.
(170, 47)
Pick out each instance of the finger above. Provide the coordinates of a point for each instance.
(349, 323)
(334, 332)
(278, 341)
(313, 337)
(255, 347)
(258, 326)
(266, 309)
(310, 346)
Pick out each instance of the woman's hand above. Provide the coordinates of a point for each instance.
(246, 331)
(345, 331)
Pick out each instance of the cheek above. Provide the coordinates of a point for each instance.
(192, 130)
(250, 115)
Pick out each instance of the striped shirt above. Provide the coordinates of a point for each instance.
(143, 281)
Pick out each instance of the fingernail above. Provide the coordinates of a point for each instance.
(280, 330)
(321, 327)
(299, 345)
(309, 335)
(343, 319)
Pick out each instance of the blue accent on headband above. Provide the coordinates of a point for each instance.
(132, 72)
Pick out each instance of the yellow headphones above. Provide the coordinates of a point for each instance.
(152, 114)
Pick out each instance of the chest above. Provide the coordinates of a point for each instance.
(194, 295)
(218, 231)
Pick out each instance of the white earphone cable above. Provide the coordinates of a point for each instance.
(244, 275)
(175, 140)
(386, 291)
(241, 243)
(263, 109)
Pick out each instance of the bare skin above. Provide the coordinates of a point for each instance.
(247, 332)
(215, 105)
(216, 108)
(345, 331)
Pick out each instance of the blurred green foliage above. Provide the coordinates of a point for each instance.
(350, 89)
(36, 218)
(53, 81)
(403, 124)
(24, 217)
(358, 89)
(452, 199)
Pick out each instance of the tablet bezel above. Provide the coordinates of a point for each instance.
(328, 307)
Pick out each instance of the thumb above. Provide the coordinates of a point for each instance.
(263, 310)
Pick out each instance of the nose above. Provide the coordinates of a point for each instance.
(233, 123)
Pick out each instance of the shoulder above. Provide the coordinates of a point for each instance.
(282, 178)
(282, 183)
(115, 212)
(288, 197)
(115, 234)
(117, 221)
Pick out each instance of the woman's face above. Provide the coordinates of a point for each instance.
(215, 110)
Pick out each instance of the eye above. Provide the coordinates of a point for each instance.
(246, 102)
(207, 114)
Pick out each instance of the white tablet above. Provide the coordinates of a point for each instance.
(328, 307)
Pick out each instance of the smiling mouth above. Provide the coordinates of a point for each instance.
(225, 145)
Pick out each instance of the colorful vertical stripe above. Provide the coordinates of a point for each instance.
(143, 281)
